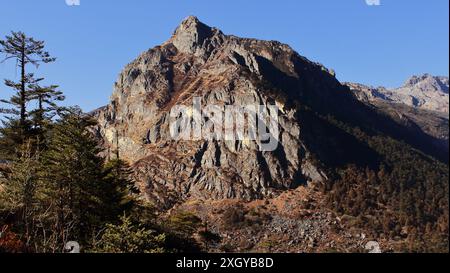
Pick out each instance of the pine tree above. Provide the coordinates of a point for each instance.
(24, 50)
(130, 237)
(11, 137)
(46, 110)
(121, 188)
(46, 98)
(21, 189)
(74, 171)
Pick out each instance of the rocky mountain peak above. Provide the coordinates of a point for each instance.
(191, 24)
(428, 83)
(200, 61)
(426, 92)
(415, 79)
(190, 34)
(224, 70)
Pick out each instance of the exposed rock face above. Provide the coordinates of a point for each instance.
(199, 61)
(425, 92)
(422, 102)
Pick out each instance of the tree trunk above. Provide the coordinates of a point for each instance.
(23, 88)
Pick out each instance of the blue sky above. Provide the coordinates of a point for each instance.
(375, 45)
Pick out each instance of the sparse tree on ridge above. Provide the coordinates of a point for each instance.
(24, 50)
(17, 128)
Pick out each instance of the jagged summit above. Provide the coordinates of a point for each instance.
(190, 19)
(191, 24)
(428, 83)
(190, 34)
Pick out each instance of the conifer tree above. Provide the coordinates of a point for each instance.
(130, 237)
(21, 191)
(24, 50)
(46, 110)
(74, 171)
(121, 189)
(46, 98)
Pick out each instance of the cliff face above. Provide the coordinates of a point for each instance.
(199, 61)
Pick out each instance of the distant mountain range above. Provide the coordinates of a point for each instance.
(422, 103)
(425, 92)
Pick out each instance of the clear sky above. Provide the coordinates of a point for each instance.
(375, 45)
